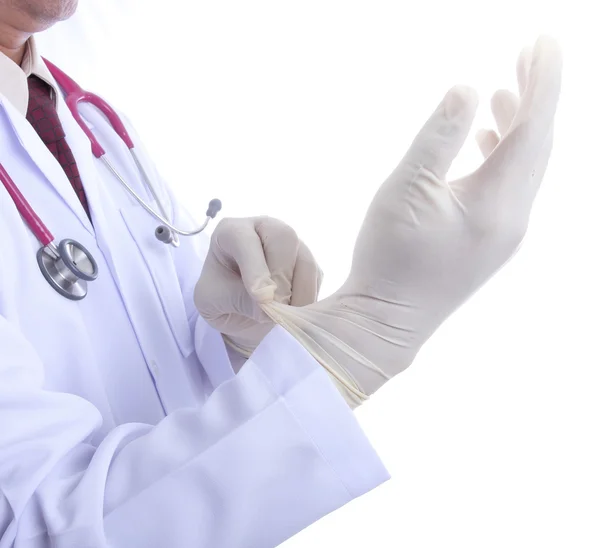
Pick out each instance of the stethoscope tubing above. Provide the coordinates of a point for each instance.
(57, 264)
(36, 225)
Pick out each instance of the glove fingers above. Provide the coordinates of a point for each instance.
(444, 134)
(239, 246)
(307, 278)
(540, 98)
(488, 140)
(504, 107)
(514, 159)
(280, 246)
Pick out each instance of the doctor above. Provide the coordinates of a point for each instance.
(126, 418)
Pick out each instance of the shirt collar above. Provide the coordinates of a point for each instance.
(13, 78)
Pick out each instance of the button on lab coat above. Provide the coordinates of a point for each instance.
(122, 423)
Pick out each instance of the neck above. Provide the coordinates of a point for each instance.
(15, 54)
(13, 40)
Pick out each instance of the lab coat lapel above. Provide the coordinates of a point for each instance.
(45, 161)
(86, 161)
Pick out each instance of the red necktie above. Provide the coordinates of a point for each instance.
(42, 115)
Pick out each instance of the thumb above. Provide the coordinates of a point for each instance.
(444, 134)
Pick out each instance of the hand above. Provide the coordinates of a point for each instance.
(427, 244)
(251, 261)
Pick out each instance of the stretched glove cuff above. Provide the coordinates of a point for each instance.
(317, 341)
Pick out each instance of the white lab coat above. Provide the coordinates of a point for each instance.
(122, 423)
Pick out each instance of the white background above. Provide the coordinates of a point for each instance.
(299, 110)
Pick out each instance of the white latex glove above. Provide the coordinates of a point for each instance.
(427, 244)
(251, 261)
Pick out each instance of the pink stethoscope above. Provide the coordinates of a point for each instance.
(68, 266)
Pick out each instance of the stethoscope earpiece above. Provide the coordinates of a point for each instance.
(167, 233)
(164, 234)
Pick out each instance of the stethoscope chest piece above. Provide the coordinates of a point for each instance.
(68, 268)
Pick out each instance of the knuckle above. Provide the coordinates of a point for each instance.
(227, 224)
(227, 232)
(222, 227)
(275, 228)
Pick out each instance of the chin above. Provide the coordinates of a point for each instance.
(42, 14)
(69, 7)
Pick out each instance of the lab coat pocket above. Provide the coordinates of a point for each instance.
(158, 260)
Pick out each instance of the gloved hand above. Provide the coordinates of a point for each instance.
(427, 244)
(251, 261)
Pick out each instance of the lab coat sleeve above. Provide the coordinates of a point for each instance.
(272, 450)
